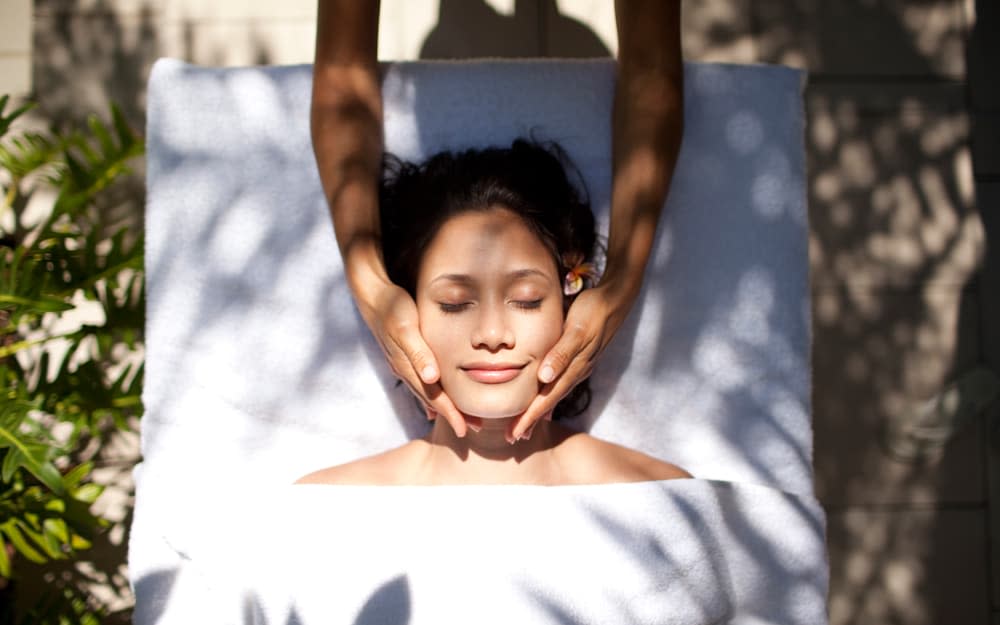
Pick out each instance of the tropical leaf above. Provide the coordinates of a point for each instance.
(6, 119)
(22, 452)
(93, 164)
(29, 287)
(4, 562)
(63, 605)
(73, 382)
(31, 152)
(12, 530)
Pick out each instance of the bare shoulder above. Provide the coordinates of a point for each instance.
(592, 460)
(381, 469)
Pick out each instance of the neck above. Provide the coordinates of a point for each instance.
(485, 457)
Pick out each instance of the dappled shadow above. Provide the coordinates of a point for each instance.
(279, 281)
(687, 551)
(699, 592)
(390, 603)
(473, 29)
(895, 244)
(85, 58)
(153, 592)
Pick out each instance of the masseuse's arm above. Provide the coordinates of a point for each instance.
(647, 126)
(346, 121)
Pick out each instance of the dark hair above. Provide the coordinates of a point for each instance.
(528, 178)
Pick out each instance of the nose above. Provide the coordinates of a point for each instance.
(492, 330)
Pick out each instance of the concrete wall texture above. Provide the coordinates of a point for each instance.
(903, 142)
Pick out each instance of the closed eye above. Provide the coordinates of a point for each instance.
(529, 305)
(453, 308)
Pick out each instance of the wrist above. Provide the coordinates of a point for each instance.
(619, 282)
(367, 279)
(619, 290)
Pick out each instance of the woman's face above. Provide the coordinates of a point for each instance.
(490, 305)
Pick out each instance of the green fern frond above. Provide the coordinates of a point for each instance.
(81, 386)
(6, 119)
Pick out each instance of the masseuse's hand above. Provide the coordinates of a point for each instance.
(393, 321)
(591, 322)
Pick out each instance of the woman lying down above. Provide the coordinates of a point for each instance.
(558, 528)
(493, 245)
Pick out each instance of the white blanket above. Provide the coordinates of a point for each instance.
(677, 552)
(259, 368)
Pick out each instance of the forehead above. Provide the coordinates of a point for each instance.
(494, 237)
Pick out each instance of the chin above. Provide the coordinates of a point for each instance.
(499, 401)
(492, 412)
(502, 408)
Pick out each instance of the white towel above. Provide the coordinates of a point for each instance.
(252, 335)
(259, 368)
(675, 552)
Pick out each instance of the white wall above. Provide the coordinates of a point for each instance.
(15, 47)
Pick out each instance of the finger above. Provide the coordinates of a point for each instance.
(539, 406)
(436, 403)
(443, 405)
(562, 354)
(419, 390)
(419, 355)
(544, 403)
(474, 423)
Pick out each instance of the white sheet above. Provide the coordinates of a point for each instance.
(677, 552)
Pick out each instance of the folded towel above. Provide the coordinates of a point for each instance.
(678, 552)
(259, 368)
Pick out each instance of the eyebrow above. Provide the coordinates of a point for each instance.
(463, 278)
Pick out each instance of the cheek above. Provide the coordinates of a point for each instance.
(540, 334)
(440, 332)
(554, 331)
(429, 326)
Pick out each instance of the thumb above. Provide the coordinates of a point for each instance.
(420, 356)
(559, 357)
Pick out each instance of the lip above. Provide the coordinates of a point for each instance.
(492, 373)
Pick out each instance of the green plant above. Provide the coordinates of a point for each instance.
(68, 385)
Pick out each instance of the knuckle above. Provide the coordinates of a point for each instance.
(419, 358)
(563, 354)
(576, 331)
(576, 328)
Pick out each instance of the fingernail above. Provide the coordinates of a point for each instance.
(428, 373)
(527, 434)
(547, 374)
(474, 428)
